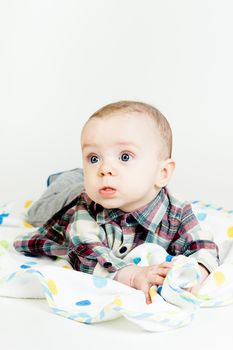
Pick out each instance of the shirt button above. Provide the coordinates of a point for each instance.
(107, 264)
(122, 250)
(129, 219)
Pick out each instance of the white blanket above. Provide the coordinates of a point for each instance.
(86, 298)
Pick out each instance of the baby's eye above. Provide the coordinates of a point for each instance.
(125, 157)
(93, 159)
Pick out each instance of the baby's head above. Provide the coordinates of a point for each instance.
(126, 148)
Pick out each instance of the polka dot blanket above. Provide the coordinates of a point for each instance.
(89, 299)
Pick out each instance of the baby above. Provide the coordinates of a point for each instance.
(127, 164)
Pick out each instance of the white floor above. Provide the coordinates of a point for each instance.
(29, 324)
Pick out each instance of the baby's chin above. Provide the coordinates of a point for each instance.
(106, 205)
(113, 206)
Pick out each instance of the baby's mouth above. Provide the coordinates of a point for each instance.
(107, 190)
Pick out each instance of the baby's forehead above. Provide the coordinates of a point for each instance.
(121, 119)
(119, 131)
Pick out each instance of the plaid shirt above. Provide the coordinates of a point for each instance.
(95, 239)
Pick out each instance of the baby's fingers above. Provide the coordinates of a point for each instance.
(166, 264)
(156, 279)
(162, 269)
(147, 295)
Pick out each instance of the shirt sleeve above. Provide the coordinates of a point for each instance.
(191, 240)
(49, 239)
(41, 242)
(88, 247)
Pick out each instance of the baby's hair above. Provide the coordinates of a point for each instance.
(161, 122)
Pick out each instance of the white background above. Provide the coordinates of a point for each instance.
(60, 60)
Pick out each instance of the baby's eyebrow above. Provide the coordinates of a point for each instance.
(120, 143)
(127, 143)
(86, 145)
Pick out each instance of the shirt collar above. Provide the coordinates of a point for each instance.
(151, 214)
(105, 216)
(148, 216)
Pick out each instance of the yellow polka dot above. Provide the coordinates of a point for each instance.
(26, 224)
(218, 277)
(152, 292)
(230, 231)
(27, 203)
(52, 286)
(117, 301)
(66, 267)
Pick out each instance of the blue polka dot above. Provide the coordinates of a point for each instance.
(83, 303)
(25, 266)
(159, 290)
(99, 282)
(169, 258)
(201, 216)
(137, 260)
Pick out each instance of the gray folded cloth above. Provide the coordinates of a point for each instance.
(63, 187)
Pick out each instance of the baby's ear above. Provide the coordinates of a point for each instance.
(165, 172)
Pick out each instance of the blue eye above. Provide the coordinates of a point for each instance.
(93, 159)
(125, 157)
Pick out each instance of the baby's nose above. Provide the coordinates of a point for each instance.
(103, 173)
(106, 169)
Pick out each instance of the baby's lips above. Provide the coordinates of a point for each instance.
(107, 188)
(107, 191)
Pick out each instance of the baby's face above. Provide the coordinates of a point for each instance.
(120, 160)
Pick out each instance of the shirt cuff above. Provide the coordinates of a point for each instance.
(204, 257)
(109, 267)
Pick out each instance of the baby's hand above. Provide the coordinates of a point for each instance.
(143, 278)
(149, 276)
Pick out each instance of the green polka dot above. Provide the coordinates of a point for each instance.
(4, 244)
(149, 257)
